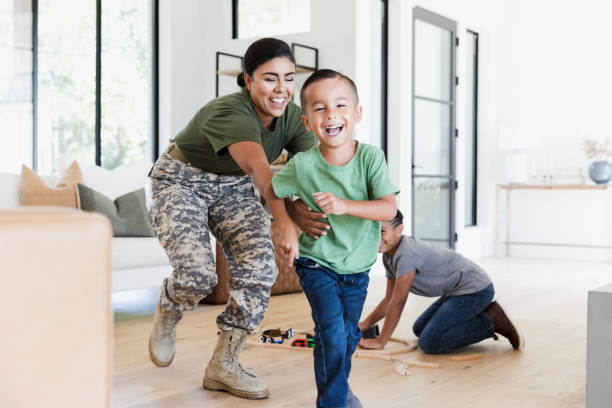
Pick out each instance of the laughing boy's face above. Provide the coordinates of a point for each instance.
(331, 111)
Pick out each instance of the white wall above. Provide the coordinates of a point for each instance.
(557, 73)
(554, 76)
(367, 40)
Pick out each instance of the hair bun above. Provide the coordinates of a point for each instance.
(240, 79)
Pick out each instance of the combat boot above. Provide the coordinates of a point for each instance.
(163, 336)
(225, 373)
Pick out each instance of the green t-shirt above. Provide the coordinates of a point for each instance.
(351, 244)
(232, 118)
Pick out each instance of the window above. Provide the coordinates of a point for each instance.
(16, 93)
(127, 45)
(471, 137)
(264, 18)
(66, 83)
(94, 71)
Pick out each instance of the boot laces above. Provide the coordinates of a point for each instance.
(234, 348)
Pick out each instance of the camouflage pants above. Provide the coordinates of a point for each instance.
(188, 204)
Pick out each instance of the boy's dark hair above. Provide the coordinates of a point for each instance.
(325, 74)
(260, 52)
(398, 219)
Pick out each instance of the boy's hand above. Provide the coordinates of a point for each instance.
(372, 344)
(288, 243)
(330, 204)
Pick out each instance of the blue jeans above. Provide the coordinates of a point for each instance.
(336, 301)
(455, 321)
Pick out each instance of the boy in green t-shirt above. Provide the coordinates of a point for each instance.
(349, 182)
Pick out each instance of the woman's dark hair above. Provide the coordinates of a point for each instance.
(325, 74)
(260, 52)
(398, 219)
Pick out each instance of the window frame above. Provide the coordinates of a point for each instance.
(473, 138)
(441, 22)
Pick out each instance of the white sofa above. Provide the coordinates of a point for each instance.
(136, 262)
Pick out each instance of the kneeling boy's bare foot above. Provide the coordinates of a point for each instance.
(504, 326)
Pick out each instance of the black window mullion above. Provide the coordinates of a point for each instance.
(35, 85)
(383, 74)
(472, 139)
(98, 139)
(475, 127)
(234, 19)
(155, 80)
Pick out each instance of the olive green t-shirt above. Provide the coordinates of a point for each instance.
(351, 244)
(232, 118)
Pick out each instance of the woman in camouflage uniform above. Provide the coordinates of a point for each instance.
(204, 183)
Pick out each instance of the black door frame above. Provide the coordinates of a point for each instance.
(427, 16)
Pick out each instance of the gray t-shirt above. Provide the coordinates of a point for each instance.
(439, 271)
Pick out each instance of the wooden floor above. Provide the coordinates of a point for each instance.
(547, 298)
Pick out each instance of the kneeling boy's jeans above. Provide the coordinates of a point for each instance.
(336, 301)
(455, 321)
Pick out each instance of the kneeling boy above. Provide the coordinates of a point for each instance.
(463, 315)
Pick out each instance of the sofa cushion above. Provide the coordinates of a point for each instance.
(33, 190)
(119, 181)
(127, 213)
(130, 252)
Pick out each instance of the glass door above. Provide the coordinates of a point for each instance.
(433, 128)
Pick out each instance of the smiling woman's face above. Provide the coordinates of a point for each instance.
(271, 87)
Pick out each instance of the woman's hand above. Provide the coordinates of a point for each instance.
(287, 242)
(306, 219)
(330, 204)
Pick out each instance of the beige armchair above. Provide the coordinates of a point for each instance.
(56, 314)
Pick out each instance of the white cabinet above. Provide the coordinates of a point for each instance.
(554, 221)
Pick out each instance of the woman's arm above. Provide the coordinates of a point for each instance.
(383, 209)
(252, 159)
(287, 238)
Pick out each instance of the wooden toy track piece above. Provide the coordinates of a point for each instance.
(410, 345)
(276, 346)
(465, 357)
(409, 363)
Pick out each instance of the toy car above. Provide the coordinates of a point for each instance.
(270, 339)
(275, 336)
(303, 343)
